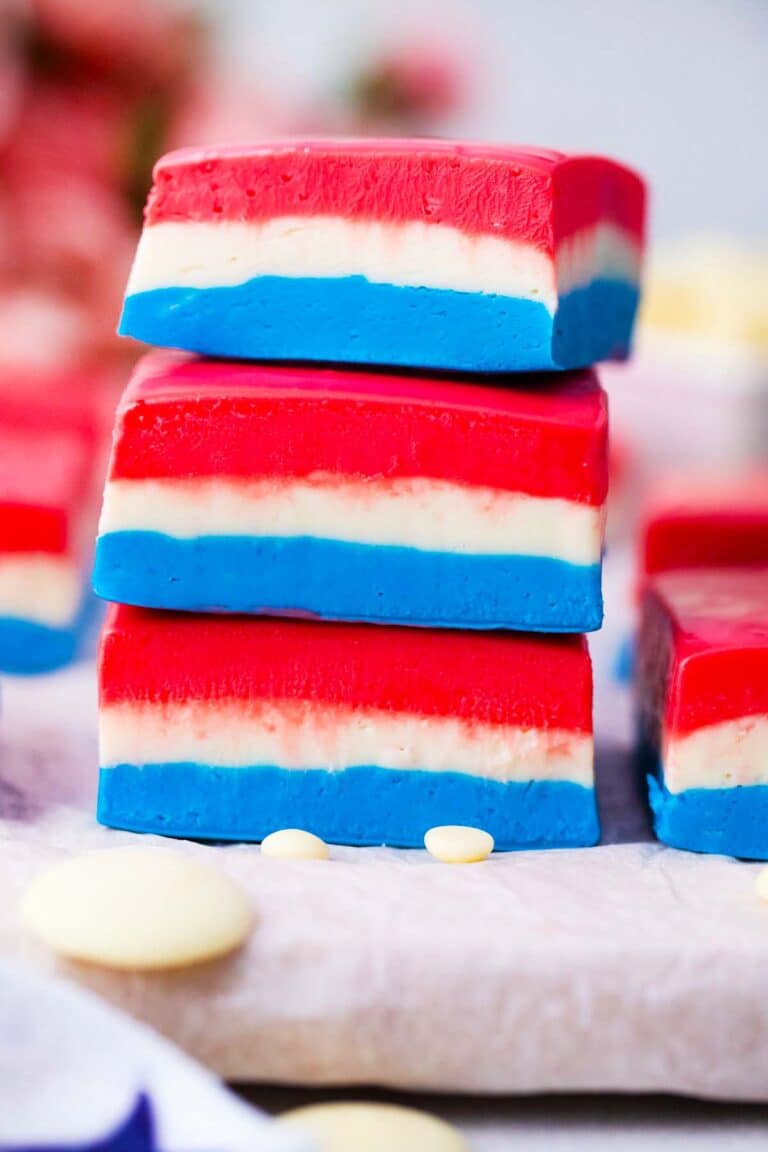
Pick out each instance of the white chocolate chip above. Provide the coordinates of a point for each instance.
(456, 844)
(761, 884)
(294, 844)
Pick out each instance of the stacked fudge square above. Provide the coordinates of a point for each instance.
(353, 530)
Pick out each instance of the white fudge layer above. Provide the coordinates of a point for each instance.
(722, 755)
(40, 588)
(297, 734)
(431, 515)
(198, 254)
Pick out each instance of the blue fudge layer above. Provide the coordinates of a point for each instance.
(349, 319)
(342, 581)
(27, 647)
(365, 805)
(729, 821)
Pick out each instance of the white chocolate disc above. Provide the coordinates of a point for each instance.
(137, 908)
(359, 1127)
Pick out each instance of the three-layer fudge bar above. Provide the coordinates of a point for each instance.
(230, 727)
(420, 253)
(49, 461)
(702, 681)
(357, 496)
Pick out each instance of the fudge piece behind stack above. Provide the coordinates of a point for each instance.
(52, 453)
(702, 656)
(702, 681)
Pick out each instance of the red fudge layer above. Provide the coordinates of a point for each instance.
(183, 418)
(703, 648)
(532, 195)
(516, 679)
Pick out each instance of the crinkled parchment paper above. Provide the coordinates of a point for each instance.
(630, 966)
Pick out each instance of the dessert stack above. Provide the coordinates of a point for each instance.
(350, 585)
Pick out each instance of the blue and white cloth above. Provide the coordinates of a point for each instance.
(76, 1074)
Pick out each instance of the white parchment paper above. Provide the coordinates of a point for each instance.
(630, 966)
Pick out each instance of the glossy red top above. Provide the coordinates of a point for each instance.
(497, 678)
(185, 417)
(704, 638)
(528, 194)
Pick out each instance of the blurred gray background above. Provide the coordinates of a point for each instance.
(679, 88)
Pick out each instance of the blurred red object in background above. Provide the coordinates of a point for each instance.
(218, 109)
(87, 93)
(41, 330)
(92, 92)
(11, 76)
(83, 253)
(412, 82)
(85, 129)
(704, 519)
(133, 43)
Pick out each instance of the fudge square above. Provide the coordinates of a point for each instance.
(706, 521)
(230, 727)
(358, 496)
(702, 683)
(49, 478)
(417, 253)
